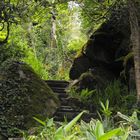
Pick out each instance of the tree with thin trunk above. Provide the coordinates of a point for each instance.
(135, 38)
(53, 29)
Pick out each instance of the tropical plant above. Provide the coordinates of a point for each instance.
(106, 113)
(131, 125)
(84, 95)
(50, 132)
(94, 130)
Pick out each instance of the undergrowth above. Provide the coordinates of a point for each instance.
(127, 128)
(119, 97)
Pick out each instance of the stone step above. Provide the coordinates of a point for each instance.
(64, 101)
(62, 95)
(55, 83)
(58, 90)
(67, 109)
(70, 101)
(61, 116)
(70, 107)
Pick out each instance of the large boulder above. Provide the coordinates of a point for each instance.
(80, 65)
(106, 48)
(103, 49)
(23, 95)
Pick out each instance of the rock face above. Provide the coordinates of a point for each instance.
(23, 95)
(106, 50)
(80, 65)
(102, 50)
(96, 78)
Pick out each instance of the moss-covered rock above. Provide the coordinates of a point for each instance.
(101, 50)
(96, 78)
(23, 95)
(106, 47)
(80, 65)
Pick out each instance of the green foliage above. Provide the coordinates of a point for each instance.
(84, 96)
(16, 45)
(75, 45)
(106, 115)
(32, 35)
(35, 35)
(35, 64)
(94, 130)
(94, 13)
(115, 94)
(131, 120)
(131, 125)
(105, 109)
(30, 42)
(49, 130)
(7, 16)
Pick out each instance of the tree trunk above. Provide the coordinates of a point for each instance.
(53, 29)
(135, 38)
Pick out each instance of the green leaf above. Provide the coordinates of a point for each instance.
(50, 122)
(59, 134)
(99, 130)
(40, 121)
(90, 136)
(124, 117)
(73, 122)
(110, 134)
(102, 105)
(107, 104)
(125, 136)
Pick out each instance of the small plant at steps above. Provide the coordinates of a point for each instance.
(84, 95)
(106, 114)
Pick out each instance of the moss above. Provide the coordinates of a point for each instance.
(23, 95)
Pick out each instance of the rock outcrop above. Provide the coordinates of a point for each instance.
(106, 50)
(23, 95)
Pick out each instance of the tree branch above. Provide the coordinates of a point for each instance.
(2, 26)
(8, 31)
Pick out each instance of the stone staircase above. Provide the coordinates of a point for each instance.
(69, 107)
